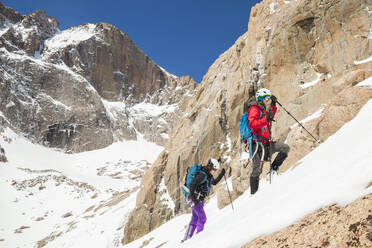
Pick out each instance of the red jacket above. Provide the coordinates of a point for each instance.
(260, 126)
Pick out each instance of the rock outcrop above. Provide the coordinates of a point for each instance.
(2, 155)
(8, 14)
(332, 226)
(114, 65)
(307, 52)
(85, 87)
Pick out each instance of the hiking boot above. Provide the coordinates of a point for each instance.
(254, 184)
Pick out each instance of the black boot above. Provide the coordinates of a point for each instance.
(278, 161)
(254, 184)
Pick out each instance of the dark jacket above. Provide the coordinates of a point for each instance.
(199, 187)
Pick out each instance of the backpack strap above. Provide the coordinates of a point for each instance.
(205, 177)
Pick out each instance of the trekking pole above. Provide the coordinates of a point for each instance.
(187, 233)
(229, 192)
(270, 171)
(317, 141)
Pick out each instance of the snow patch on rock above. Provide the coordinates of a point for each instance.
(71, 36)
(165, 197)
(273, 8)
(369, 59)
(367, 83)
(150, 109)
(315, 115)
(312, 83)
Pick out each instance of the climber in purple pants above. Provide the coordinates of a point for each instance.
(198, 219)
(199, 189)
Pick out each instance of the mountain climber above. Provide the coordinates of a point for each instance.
(199, 189)
(260, 116)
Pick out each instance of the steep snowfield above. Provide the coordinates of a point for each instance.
(76, 199)
(148, 109)
(338, 171)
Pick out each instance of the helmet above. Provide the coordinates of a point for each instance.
(213, 164)
(261, 94)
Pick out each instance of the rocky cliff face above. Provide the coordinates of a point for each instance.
(85, 87)
(310, 53)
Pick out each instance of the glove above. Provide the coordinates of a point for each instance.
(223, 171)
(270, 115)
(273, 100)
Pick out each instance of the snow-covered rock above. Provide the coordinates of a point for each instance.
(79, 89)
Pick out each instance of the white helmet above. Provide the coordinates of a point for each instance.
(213, 163)
(262, 93)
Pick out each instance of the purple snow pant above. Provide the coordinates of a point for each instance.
(198, 218)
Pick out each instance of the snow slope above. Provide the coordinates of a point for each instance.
(338, 171)
(69, 200)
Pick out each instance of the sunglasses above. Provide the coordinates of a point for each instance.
(266, 98)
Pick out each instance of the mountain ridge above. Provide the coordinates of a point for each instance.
(69, 77)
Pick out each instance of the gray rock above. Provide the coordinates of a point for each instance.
(2, 155)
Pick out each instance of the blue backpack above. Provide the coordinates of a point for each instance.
(247, 134)
(192, 171)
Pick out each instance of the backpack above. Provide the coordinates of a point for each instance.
(246, 133)
(192, 171)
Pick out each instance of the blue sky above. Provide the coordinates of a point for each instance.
(183, 36)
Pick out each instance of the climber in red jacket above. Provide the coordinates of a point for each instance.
(260, 116)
